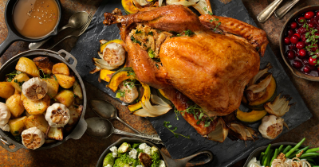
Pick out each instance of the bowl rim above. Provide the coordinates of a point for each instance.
(281, 45)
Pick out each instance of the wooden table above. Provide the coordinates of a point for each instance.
(86, 151)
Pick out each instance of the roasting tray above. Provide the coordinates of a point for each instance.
(225, 154)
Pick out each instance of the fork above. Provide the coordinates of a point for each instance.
(76, 34)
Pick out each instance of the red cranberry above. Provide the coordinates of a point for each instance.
(298, 35)
(287, 40)
(317, 14)
(292, 47)
(293, 25)
(309, 14)
(300, 45)
(311, 25)
(302, 52)
(314, 48)
(297, 64)
(301, 30)
(290, 54)
(312, 61)
(290, 32)
(301, 20)
(306, 69)
(303, 37)
(294, 39)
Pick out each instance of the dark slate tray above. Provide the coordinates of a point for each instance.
(226, 153)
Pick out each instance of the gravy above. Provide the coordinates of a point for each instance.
(35, 18)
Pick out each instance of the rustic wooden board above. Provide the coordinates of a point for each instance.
(226, 153)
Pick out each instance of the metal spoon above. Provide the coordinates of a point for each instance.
(107, 111)
(268, 11)
(104, 128)
(76, 20)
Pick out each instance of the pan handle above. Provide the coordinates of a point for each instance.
(79, 130)
(6, 145)
(7, 42)
(185, 161)
(68, 57)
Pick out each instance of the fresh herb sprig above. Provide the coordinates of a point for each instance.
(199, 115)
(218, 24)
(168, 125)
(312, 38)
(44, 75)
(10, 76)
(187, 33)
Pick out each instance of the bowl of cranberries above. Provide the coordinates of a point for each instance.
(299, 44)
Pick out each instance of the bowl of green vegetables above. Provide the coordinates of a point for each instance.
(284, 154)
(133, 152)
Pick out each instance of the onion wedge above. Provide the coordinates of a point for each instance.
(153, 111)
(261, 86)
(259, 74)
(220, 133)
(279, 107)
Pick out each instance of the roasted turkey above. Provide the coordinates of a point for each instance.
(207, 59)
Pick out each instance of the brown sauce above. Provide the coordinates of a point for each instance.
(35, 18)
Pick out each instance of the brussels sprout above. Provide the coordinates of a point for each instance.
(108, 160)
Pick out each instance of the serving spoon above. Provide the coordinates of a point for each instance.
(76, 21)
(100, 127)
(107, 111)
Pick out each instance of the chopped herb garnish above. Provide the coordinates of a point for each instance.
(176, 114)
(10, 76)
(20, 83)
(168, 126)
(150, 33)
(128, 83)
(44, 75)
(131, 73)
(187, 32)
(55, 77)
(120, 94)
(199, 114)
(135, 41)
(138, 32)
(210, 13)
(151, 53)
(157, 66)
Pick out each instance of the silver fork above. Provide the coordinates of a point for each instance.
(76, 34)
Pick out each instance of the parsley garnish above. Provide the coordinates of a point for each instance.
(210, 13)
(187, 32)
(138, 32)
(135, 41)
(150, 33)
(311, 38)
(20, 83)
(129, 84)
(131, 73)
(10, 76)
(120, 94)
(44, 75)
(168, 126)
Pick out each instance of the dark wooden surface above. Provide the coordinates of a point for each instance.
(86, 151)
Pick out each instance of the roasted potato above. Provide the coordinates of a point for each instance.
(65, 81)
(55, 133)
(65, 97)
(27, 66)
(6, 90)
(44, 64)
(37, 121)
(77, 90)
(36, 107)
(53, 86)
(60, 68)
(17, 125)
(75, 113)
(15, 105)
(18, 80)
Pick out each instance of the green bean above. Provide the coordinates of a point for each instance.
(265, 161)
(280, 148)
(261, 156)
(293, 154)
(267, 149)
(296, 147)
(287, 149)
(309, 154)
(275, 155)
(269, 156)
(313, 150)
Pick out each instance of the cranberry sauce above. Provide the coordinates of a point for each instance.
(301, 43)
